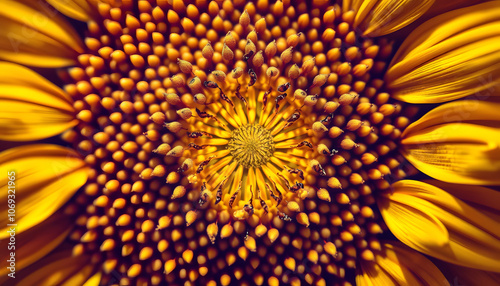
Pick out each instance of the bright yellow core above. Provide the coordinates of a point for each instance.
(251, 145)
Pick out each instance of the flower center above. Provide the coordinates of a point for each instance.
(261, 128)
(251, 145)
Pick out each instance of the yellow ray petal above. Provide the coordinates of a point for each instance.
(382, 17)
(461, 111)
(76, 9)
(440, 28)
(49, 234)
(451, 153)
(34, 35)
(19, 75)
(31, 107)
(46, 176)
(482, 196)
(474, 238)
(402, 275)
(447, 208)
(398, 265)
(372, 274)
(448, 57)
(58, 268)
(423, 268)
(403, 218)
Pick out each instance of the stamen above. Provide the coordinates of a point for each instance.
(251, 145)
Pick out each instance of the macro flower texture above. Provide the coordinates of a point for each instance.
(267, 142)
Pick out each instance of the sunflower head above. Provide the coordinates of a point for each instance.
(245, 130)
(228, 143)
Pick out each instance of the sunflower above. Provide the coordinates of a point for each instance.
(261, 143)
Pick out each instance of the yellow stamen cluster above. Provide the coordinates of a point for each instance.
(232, 143)
(251, 145)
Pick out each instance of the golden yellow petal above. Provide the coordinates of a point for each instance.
(398, 272)
(398, 265)
(45, 177)
(83, 276)
(450, 154)
(402, 218)
(31, 107)
(484, 200)
(462, 111)
(420, 266)
(382, 17)
(76, 9)
(474, 238)
(371, 274)
(49, 234)
(19, 75)
(33, 35)
(449, 208)
(444, 143)
(448, 57)
(481, 196)
(472, 255)
(58, 268)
